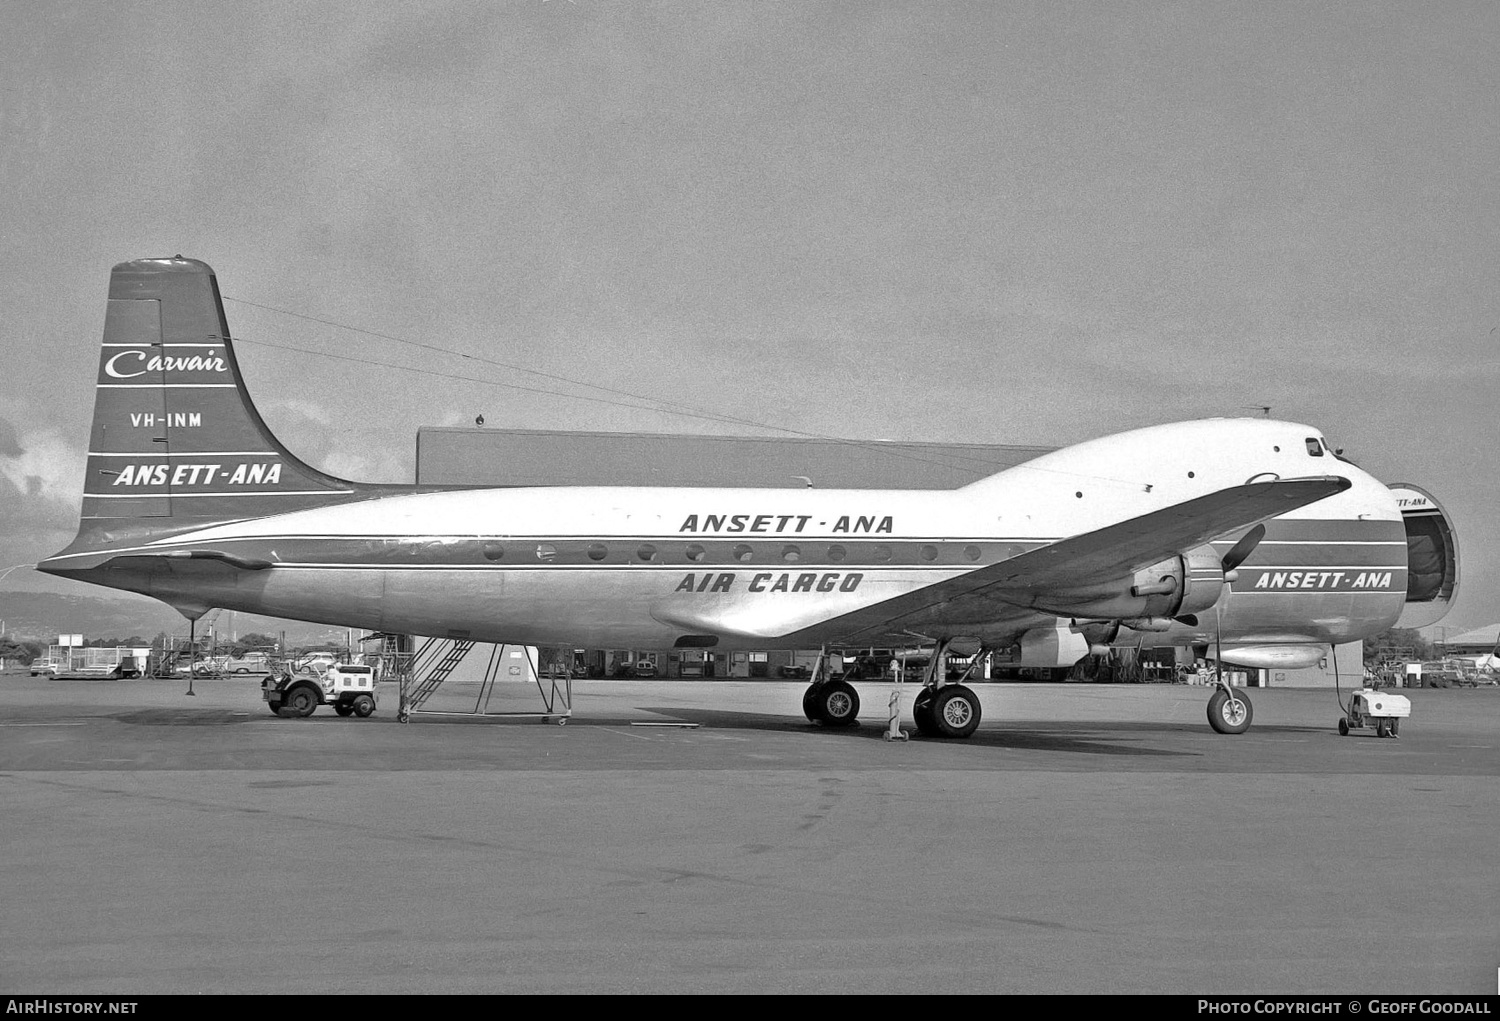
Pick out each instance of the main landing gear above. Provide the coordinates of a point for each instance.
(949, 711)
(833, 703)
(946, 708)
(942, 708)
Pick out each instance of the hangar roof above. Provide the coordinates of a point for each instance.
(1487, 637)
(540, 457)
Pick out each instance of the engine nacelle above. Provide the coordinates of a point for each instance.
(1190, 582)
(1204, 582)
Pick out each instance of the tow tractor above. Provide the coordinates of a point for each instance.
(348, 687)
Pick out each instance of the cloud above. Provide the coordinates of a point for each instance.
(41, 478)
(305, 409)
(358, 449)
(10, 446)
(41, 488)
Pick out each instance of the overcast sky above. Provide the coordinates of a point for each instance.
(978, 222)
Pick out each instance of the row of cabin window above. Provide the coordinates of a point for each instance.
(741, 552)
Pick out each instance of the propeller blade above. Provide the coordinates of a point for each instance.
(1242, 549)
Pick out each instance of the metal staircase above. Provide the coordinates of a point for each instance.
(432, 664)
(438, 657)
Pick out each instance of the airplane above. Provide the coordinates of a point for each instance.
(1250, 533)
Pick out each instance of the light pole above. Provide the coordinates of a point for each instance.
(192, 653)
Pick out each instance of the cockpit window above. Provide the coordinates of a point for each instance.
(1314, 448)
(1338, 454)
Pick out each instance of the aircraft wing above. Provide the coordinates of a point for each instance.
(990, 593)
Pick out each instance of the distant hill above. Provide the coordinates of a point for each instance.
(42, 616)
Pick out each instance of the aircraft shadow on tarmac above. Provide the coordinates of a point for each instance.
(1123, 738)
(1094, 738)
(157, 717)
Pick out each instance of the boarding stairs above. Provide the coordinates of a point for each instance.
(439, 657)
(436, 660)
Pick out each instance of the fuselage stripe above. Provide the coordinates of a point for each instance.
(186, 453)
(182, 496)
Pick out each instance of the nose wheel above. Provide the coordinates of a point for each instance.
(1229, 711)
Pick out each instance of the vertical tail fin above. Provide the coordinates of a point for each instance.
(176, 441)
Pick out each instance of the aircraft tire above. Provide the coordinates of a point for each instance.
(955, 711)
(1224, 717)
(921, 714)
(809, 703)
(1343, 727)
(344, 710)
(363, 706)
(275, 708)
(836, 704)
(301, 700)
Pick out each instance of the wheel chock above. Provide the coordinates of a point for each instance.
(893, 731)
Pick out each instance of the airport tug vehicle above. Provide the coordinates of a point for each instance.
(1384, 709)
(348, 687)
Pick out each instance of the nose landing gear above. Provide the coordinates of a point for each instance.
(1229, 711)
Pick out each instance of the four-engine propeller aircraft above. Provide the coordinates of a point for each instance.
(190, 499)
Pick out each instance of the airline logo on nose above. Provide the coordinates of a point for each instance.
(133, 363)
(1326, 581)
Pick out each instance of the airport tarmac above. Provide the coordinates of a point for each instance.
(1089, 838)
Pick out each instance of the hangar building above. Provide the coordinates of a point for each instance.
(537, 457)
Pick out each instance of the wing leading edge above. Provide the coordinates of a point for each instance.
(999, 590)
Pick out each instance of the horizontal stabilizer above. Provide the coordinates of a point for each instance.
(243, 563)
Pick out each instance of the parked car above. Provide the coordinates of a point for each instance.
(1437, 674)
(315, 662)
(249, 663)
(202, 668)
